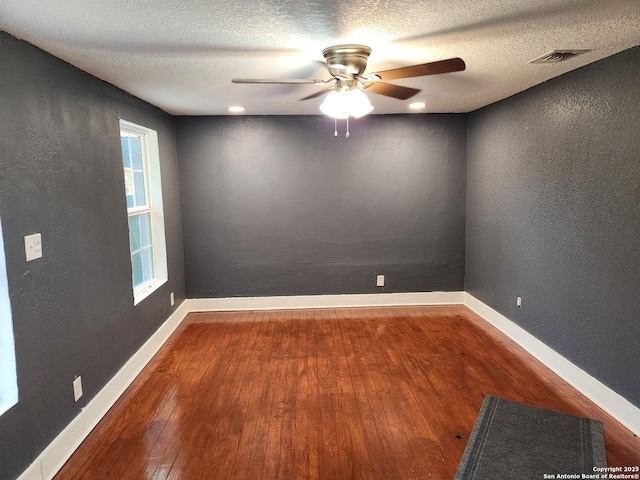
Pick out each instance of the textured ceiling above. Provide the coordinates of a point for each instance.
(181, 56)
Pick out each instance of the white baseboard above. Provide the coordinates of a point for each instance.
(62, 447)
(615, 405)
(325, 301)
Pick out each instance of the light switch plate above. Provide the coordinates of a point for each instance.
(77, 388)
(33, 246)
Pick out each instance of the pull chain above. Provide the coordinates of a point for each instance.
(335, 128)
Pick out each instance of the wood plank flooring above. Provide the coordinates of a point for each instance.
(363, 393)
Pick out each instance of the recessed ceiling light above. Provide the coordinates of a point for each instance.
(417, 105)
(236, 109)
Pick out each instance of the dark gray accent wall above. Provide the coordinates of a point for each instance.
(553, 215)
(61, 175)
(279, 206)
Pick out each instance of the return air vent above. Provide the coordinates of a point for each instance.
(558, 56)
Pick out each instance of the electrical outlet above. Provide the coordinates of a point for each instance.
(172, 298)
(519, 301)
(380, 281)
(33, 246)
(77, 388)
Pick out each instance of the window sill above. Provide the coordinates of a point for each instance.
(147, 290)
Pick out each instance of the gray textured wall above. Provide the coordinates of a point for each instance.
(61, 175)
(278, 206)
(553, 215)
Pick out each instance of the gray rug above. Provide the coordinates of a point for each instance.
(511, 440)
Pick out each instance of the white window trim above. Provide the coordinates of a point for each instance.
(8, 374)
(153, 195)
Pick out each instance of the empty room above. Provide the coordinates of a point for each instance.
(319, 240)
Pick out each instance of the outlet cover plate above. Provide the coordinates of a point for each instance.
(380, 281)
(33, 246)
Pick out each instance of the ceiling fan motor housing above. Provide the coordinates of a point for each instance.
(346, 61)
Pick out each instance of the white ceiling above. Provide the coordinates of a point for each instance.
(182, 55)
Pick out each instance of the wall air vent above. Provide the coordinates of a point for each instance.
(558, 56)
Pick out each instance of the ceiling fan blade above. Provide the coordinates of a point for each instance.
(288, 81)
(395, 91)
(317, 94)
(431, 68)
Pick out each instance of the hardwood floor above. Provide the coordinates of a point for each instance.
(366, 393)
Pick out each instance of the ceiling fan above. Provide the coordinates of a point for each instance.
(347, 63)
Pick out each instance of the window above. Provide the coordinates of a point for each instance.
(8, 380)
(143, 192)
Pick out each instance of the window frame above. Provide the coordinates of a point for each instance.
(9, 395)
(153, 207)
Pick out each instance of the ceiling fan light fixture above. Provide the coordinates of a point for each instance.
(236, 109)
(359, 104)
(334, 105)
(343, 103)
(417, 105)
